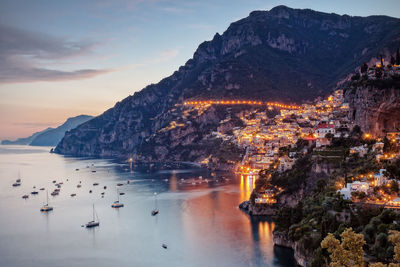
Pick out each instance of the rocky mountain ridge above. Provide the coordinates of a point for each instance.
(287, 55)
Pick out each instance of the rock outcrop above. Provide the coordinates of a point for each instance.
(374, 108)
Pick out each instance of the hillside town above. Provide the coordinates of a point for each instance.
(274, 143)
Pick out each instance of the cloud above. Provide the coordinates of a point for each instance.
(24, 56)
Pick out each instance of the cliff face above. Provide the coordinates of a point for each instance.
(283, 54)
(375, 109)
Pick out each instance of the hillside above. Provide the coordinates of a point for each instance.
(50, 136)
(24, 140)
(287, 55)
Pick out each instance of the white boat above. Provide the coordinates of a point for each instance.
(46, 206)
(117, 204)
(93, 223)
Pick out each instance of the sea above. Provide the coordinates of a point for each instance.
(198, 222)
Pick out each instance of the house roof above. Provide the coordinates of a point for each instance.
(325, 126)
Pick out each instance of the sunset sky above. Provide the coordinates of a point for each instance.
(59, 59)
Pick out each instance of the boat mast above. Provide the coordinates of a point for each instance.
(93, 212)
(47, 198)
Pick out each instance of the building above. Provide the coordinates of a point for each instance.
(360, 150)
(380, 178)
(323, 129)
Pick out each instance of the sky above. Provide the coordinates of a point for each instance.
(60, 59)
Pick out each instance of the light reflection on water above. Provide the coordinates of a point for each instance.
(200, 223)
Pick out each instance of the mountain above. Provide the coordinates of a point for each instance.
(24, 141)
(53, 136)
(50, 136)
(288, 55)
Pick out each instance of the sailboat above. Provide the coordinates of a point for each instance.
(117, 204)
(155, 211)
(46, 206)
(93, 223)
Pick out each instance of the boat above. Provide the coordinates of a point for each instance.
(34, 192)
(57, 190)
(72, 195)
(105, 187)
(78, 186)
(93, 223)
(18, 181)
(76, 169)
(155, 211)
(93, 171)
(164, 246)
(46, 206)
(90, 191)
(41, 188)
(122, 193)
(117, 204)
(54, 193)
(120, 184)
(25, 196)
(95, 184)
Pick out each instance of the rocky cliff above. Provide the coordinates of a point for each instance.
(283, 54)
(375, 106)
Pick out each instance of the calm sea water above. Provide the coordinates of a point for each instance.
(201, 224)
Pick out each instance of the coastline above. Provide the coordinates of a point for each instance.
(280, 239)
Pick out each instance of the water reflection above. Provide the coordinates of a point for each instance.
(247, 184)
(200, 222)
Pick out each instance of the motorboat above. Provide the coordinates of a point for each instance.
(34, 192)
(154, 212)
(25, 196)
(95, 184)
(117, 204)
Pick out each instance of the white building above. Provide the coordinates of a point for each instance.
(323, 129)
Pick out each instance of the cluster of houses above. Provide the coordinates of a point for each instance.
(368, 185)
(262, 137)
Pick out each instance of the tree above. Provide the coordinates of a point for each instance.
(394, 187)
(329, 135)
(394, 237)
(364, 67)
(392, 60)
(347, 253)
